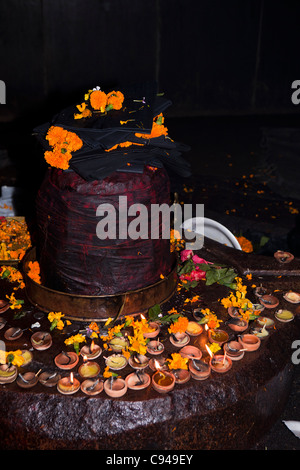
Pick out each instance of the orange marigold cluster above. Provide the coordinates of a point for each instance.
(246, 245)
(98, 100)
(34, 271)
(63, 143)
(179, 326)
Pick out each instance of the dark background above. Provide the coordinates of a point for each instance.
(211, 57)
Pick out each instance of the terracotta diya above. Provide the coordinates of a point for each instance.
(13, 333)
(155, 347)
(138, 361)
(116, 361)
(91, 351)
(181, 375)
(2, 323)
(221, 364)
(249, 341)
(283, 256)
(68, 385)
(156, 329)
(163, 381)
(92, 387)
(234, 350)
(138, 380)
(194, 329)
(41, 340)
(8, 373)
(192, 352)
(200, 369)
(115, 387)
(237, 324)
(66, 360)
(89, 369)
(218, 336)
(284, 315)
(292, 297)
(4, 305)
(49, 379)
(27, 380)
(179, 339)
(269, 301)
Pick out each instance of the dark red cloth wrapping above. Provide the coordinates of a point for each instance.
(72, 258)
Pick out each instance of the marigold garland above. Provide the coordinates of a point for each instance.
(34, 271)
(98, 100)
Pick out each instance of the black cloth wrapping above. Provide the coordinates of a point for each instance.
(103, 131)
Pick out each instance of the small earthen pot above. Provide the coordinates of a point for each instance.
(49, 379)
(66, 361)
(2, 323)
(261, 333)
(265, 321)
(13, 333)
(218, 336)
(260, 291)
(200, 369)
(237, 324)
(233, 350)
(179, 339)
(283, 256)
(115, 388)
(194, 329)
(292, 297)
(249, 342)
(191, 352)
(181, 375)
(27, 380)
(8, 374)
(221, 364)
(234, 312)
(153, 334)
(155, 347)
(163, 382)
(41, 340)
(66, 387)
(89, 369)
(269, 301)
(92, 387)
(4, 305)
(91, 353)
(138, 361)
(137, 382)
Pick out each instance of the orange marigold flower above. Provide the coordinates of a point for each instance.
(34, 271)
(179, 326)
(98, 100)
(246, 245)
(115, 99)
(157, 130)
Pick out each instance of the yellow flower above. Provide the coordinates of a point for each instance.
(79, 338)
(55, 319)
(15, 357)
(14, 303)
(214, 347)
(178, 362)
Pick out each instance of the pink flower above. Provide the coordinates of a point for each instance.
(186, 254)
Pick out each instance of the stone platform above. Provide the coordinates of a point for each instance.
(226, 411)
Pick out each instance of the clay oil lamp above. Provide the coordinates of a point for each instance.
(179, 339)
(221, 363)
(138, 361)
(115, 387)
(234, 350)
(191, 352)
(194, 329)
(92, 387)
(284, 315)
(138, 380)
(181, 375)
(238, 324)
(68, 385)
(261, 333)
(234, 312)
(155, 347)
(197, 314)
(200, 368)
(88, 369)
(2, 322)
(292, 297)
(162, 362)
(249, 341)
(8, 373)
(4, 305)
(260, 291)
(91, 351)
(66, 360)
(269, 301)
(258, 307)
(28, 380)
(41, 340)
(116, 361)
(118, 343)
(13, 333)
(265, 322)
(218, 336)
(49, 379)
(283, 256)
(154, 328)
(162, 381)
